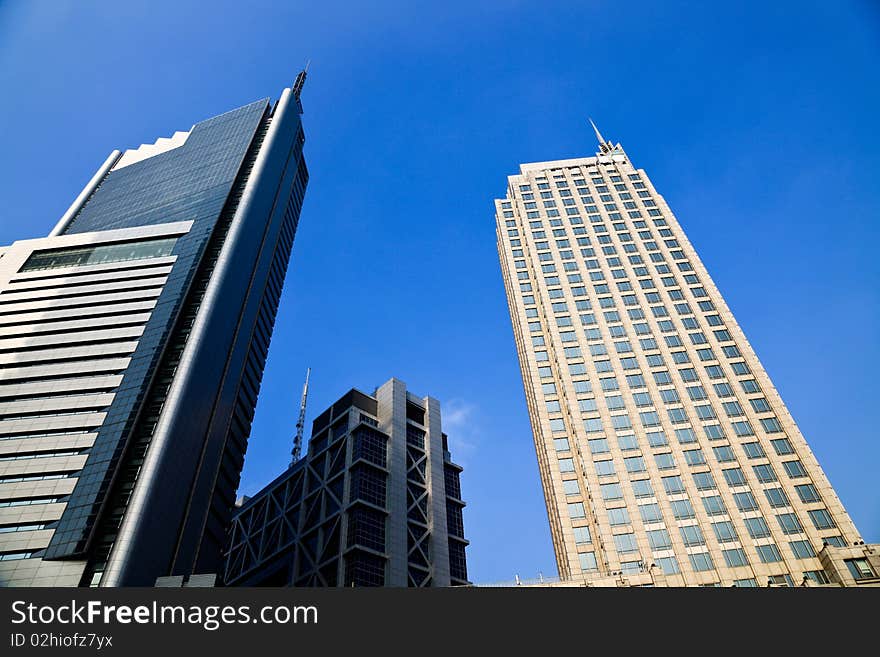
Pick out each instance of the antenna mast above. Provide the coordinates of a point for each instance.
(605, 146)
(300, 81)
(301, 422)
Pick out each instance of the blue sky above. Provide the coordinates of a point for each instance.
(756, 121)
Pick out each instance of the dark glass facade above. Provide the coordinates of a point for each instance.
(186, 402)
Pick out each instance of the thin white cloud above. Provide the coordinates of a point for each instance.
(461, 424)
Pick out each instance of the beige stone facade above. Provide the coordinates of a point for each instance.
(662, 445)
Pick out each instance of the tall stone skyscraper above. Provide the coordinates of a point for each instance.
(662, 444)
(132, 345)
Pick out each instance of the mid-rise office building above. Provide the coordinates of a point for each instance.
(376, 501)
(662, 444)
(132, 345)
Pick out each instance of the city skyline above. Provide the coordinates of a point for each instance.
(818, 138)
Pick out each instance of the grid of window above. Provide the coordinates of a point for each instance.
(364, 569)
(457, 560)
(640, 370)
(368, 484)
(366, 527)
(370, 445)
(453, 482)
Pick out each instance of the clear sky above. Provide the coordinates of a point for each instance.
(756, 121)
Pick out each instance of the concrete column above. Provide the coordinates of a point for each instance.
(392, 421)
(436, 494)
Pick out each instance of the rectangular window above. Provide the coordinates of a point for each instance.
(617, 517)
(750, 386)
(641, 400)
(776, 497)
(757, 527)
(723, 454)
(704, 480)
(743, 428)
(734, 477)
(714, 505)
(697, 393)
(860, 568)
(821, 519)
(753, 450)
(668, 565)
(582, 536)
(635, 464)
(808, 493)
(789, 523)
(642, 488)
(659, 539)
(794, 469)
(650, 513)
(701, 562)
(626, 543)
(760, 405)
(724, 390)
(749, 582)
(735, 557)
(764, 473)
(598, 446)
(771, 425)
(669, 396)
(685, 436)
(593, 425)
(604, 468)
(802, 549)
(588, 561)
(656, 438)
(705, 412)
(745, 501)
(733, 408)
(817, 576)
(768, 553)
(101, 254)
(782, 446)
(673, 485)
(694, 457)
(611, 492)
(682, 509)
(724, 531)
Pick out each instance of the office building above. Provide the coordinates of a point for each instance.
(132, 345)
(376, 501)
(851, 565)
(662, 444)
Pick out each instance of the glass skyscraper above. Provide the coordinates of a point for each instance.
(662, 445)
(132, 345)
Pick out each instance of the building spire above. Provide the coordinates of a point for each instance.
(604, 145)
